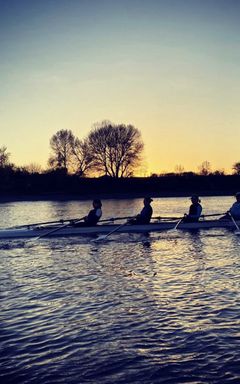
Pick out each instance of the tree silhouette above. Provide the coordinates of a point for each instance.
(179, 169)
(4, 157)
(115, 149)
(62, 146)
(236, 168)
(33, 168)
(219, 172)
(205, 168)
(82, 157)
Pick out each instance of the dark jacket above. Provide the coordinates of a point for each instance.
(145, 215)
(93, 216)
(195, 211)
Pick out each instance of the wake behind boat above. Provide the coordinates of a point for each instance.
(68, 230)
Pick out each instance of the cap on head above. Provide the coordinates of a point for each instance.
(148, 199)
(237, 195)
(97, 202)
(195, 198)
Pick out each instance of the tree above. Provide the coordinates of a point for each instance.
(33, 168)
(219, 172)
(4, 157)
(179, 169)
(116, 149)
(236, 168)
(82, 157)
(62, 146)
(205, 168)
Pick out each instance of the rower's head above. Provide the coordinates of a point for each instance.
(97, 203)
(238, 197)
(147, 200)
(195, 199)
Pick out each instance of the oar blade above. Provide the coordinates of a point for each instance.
(99, 238)
(176, 226)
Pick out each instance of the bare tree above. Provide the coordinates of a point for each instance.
(236, 168)
(179, 169)
(82, 157)
(205, 168)
(33, 168)
(219, 172)
(116, 149)
(62, 144)
(4, 157)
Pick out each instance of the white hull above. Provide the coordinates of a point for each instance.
(106, 228)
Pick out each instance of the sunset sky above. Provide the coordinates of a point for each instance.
(169, 67)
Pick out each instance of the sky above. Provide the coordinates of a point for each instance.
(170, 68)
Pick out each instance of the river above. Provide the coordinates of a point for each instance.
(157, 308)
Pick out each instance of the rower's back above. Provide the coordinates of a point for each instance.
(195, 210)
(95, 214)
(235, 208)
(146, 213)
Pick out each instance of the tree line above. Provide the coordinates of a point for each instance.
(110, 150)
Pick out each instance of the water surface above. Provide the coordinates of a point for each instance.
(158, 308)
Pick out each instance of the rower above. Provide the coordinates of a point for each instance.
(93, 216)
(234, 210)
(144, 217)
(195, 210)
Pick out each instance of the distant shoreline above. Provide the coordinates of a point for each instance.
(104, 196)
(57, 187)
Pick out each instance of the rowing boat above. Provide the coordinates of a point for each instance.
(63, 230)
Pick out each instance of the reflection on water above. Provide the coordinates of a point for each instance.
(18, 213)
(157, 308)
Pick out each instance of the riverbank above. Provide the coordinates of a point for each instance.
(70, 187)
(103, 196)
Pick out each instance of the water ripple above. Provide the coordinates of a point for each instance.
(137, 309)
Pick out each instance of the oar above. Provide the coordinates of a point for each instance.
(234, 222)
(64, 221)
(178, 223)
(61, 221)
(103, 237)
(165, 218)
(56, 229)
(116, 218)
(212, 215)
(178, 218)
(35, 224)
